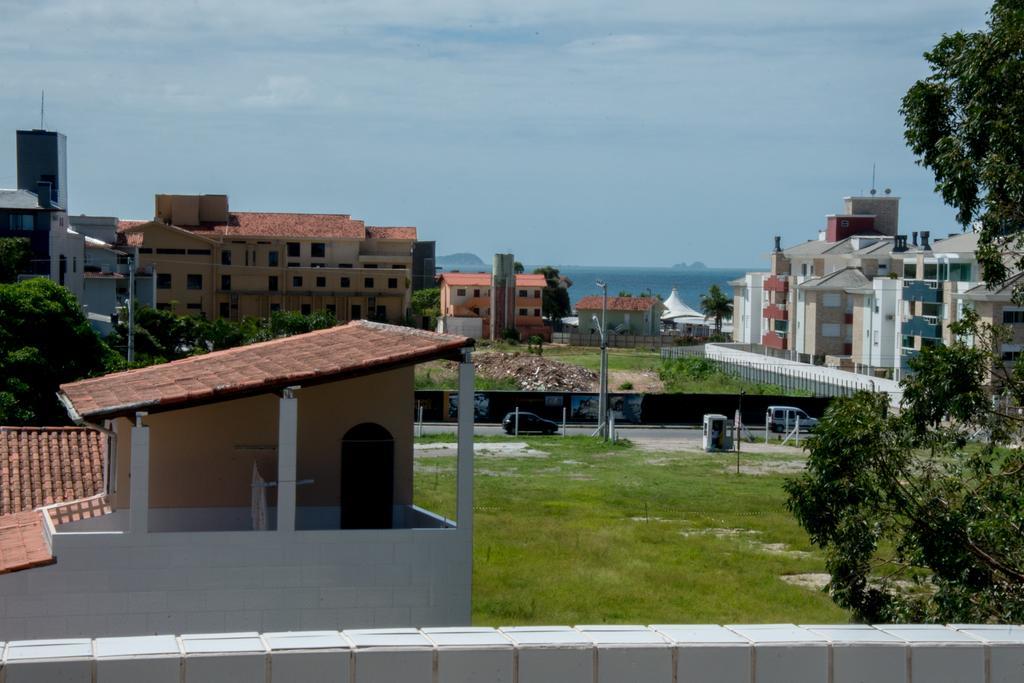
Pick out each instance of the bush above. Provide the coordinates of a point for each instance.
(626, 386)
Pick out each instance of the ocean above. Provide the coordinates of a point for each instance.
(690, 283)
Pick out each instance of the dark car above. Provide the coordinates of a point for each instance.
(528, 422)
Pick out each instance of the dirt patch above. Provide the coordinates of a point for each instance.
(693, 445)
(720, 533)
(643, 381)
(779, 549)
(535, 373)
(495, 473)
(815, 582)
(769, 467)
(512, 449)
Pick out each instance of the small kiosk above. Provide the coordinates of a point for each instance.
(717, 433)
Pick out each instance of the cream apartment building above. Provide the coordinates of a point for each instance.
(219, 263)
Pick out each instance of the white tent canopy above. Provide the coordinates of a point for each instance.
(676, 308)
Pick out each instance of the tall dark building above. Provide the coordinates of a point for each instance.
(423, 269)
(42, 158)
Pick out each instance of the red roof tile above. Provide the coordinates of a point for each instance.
(484, 279)
(617, 303)
(45, 465)
(358, 348)
(397, 233)
(23, 544)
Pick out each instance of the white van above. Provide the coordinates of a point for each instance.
(783, 419)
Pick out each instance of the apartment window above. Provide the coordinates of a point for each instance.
(305, 309)
(296, 281)
(318, 250)
(398, 266)
(272, 259)
(357, 312)
(171, 251)
(831, 300)
(344, 265)
(194, 307)
(22, 221)
(198, 252)
(163, 280)
(1011, 356)
(345, 282)
(382, 313)
(1013, 317)
(225, 257)
(460, 292)
(225, 309)
(332, 310)
(368, 282)
(476, 293)
(145, 250)
(522, 311)
(194, 281)
(293, 249)
(272, 283)
(163, 307)
(274, 308)
(392, 283)
(536, 312)
(830, 329)
(522, 293)
(321, 282)
(369, 265)
(931, 271)
(536, 294)
(225, 282)
(294, 264)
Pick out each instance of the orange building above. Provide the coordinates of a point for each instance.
(466, 305)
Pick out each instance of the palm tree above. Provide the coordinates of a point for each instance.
(717, 305)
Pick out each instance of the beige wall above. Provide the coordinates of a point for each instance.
(203, 456)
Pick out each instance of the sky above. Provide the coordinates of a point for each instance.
(642, 133)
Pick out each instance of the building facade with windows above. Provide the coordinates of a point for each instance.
(219, 263)
(465, 302)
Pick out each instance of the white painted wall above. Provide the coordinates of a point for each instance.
(766, 653)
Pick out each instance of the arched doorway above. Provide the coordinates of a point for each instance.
(367, 477)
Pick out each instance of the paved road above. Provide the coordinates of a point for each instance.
(647, 433)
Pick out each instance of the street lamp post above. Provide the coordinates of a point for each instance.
(602, 405)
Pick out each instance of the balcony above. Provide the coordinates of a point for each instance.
(776, 312)
(926, 326)
(922, 290)
(774, 340)
(776, 283)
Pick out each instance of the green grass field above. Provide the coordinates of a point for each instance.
(592, 533)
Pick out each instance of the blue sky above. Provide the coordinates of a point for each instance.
(571, 132)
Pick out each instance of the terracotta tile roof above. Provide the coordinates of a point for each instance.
(397, 233)
(23, 543)
(358, 348)
(618, 303)
(45, 465)
(484, 279)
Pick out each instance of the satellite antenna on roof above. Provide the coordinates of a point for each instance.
(873, 190)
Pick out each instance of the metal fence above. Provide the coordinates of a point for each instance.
(788, 377)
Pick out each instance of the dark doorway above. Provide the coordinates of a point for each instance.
(367, 477)
(357, 312)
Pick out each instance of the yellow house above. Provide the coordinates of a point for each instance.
(265, 487)
(219, 263)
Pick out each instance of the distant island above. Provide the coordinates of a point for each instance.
(460, 260)
(696, 265)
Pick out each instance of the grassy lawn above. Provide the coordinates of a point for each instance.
(590, 533)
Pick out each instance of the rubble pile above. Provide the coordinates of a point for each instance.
(535, 373)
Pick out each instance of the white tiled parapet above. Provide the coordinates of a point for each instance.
(389, 655)
(1005, 649)
(153, 659)
(939, 654)
(708, 653)
(467, 654)
(784, 653)
(630, 653)
(32, 661)
(309, 656)
(863, 653)
(224, 658)
(552, 654)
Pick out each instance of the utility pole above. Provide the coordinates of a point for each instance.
(602, 404)
(131, 309)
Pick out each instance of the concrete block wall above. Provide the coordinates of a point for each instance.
(751, 653)
(112, 584)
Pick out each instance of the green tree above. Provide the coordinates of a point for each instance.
(964, 122)
(555, 302)
(15, 257)
(45, 341)
(427, 302)
(715, 304)
(917, 522)
(518, 267)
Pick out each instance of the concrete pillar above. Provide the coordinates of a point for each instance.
(138, 515)
(287, 458)
(464, 468)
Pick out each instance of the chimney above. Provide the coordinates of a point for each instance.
(925, 235)
(778, 243)
(900, 245)
(915, 237)
(45, 192)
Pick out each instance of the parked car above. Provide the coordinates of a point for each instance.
(783, 419)
(528, 422)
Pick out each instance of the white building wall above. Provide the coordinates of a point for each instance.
(885, 324)
(769, 653)
(107, 584)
